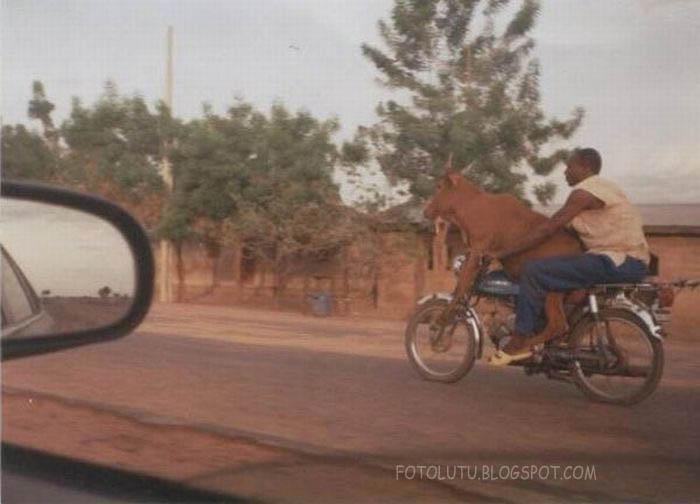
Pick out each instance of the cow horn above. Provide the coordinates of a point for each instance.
(449, 162)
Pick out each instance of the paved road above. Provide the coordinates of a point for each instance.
(374, 410)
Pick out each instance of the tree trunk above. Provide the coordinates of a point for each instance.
(305, 294)
(180, 266)
(213, 253)
(279, 279)
(346, 282)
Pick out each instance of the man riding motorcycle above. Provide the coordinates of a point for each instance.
(610, 228)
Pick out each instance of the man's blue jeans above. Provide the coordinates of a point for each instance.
(567, 273)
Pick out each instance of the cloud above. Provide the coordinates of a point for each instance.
(655, 4)
(670, 175)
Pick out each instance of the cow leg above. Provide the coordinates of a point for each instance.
(556, 325)
(556, 319)
(467, 276)
(468, 273)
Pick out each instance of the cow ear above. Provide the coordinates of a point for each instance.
(452, 178)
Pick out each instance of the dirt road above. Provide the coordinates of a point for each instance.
(292, 408)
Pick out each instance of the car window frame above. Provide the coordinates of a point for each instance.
(27, 289)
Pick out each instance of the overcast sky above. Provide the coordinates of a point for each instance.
(87, 253)
(634, 65)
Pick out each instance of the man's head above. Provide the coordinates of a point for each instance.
(582, 163)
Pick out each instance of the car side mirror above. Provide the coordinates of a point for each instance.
(76, 270)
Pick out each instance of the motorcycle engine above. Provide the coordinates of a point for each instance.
(500, 326)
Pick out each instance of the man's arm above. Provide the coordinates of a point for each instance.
(578, 201)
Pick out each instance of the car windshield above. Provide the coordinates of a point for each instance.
(364, 286)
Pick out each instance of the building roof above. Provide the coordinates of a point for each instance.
(663, 219)
(655, 215)
(409, 212)
(403, 217)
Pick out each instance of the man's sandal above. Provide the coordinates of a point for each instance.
(500, 358)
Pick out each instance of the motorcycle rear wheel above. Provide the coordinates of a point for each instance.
(637, 354)
(431, 362)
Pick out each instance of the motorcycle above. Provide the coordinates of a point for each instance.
(613, 350)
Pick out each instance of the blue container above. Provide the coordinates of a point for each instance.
(321, 304)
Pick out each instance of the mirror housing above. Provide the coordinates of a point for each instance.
(138, 244)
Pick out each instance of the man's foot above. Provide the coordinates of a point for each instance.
(516, 344)
(515, 350)
(501, 358)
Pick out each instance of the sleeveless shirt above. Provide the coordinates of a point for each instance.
(614, 230)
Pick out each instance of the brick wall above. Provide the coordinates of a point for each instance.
(411, 265)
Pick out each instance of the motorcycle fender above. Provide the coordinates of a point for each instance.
(472, 318)
(642, 314)
(443, 296)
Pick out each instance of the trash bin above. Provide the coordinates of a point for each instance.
(321, 304)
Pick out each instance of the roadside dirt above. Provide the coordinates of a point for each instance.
(235, 466)
(101, 437)
(350, 336)
(81, 313)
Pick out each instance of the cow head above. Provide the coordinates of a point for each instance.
(446, 196)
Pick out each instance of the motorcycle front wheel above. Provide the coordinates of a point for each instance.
(624, 367)
(443, 358)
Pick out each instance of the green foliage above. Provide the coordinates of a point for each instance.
(176, 221)
(117, 141)
(545, 192)
(40, 108)
(474, 93)
(263, 180)
(290, 199)
(25, 155)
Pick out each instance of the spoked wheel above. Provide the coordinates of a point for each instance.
(444, 357)
(623, 364)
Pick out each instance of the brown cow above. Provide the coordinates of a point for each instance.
(489, 224)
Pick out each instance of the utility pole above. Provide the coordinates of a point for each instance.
(166, 291)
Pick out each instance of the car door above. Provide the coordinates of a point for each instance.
(22, 311)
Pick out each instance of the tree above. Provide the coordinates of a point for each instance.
(176, 225)
(290, 211)
(40, 108)
(25, 155)
(114, 148)
(210, 159)
(474, 93)
(262, 181)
